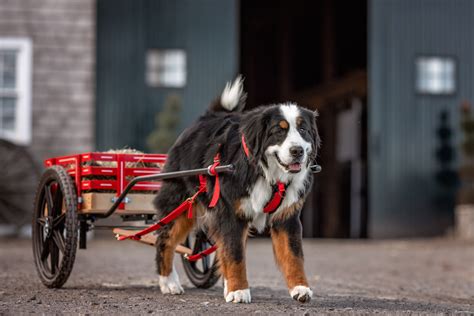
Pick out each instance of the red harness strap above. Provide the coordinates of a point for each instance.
(186, 205)
(217, 187)
(245, 147)
(277, 198)
(202, 254)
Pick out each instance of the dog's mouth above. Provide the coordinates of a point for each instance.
(293, 167)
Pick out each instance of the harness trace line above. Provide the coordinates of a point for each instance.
(201, 254)
(187, 205)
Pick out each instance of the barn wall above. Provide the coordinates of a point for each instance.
(126, 105)
(63, 38)
(405, 198)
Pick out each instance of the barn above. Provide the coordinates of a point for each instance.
(385, 76)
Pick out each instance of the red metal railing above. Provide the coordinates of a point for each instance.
(121, 173)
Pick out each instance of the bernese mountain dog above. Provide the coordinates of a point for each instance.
(268, 145)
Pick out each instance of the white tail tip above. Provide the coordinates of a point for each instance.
(232, 93)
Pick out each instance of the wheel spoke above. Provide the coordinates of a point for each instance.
(41, 221)
(46, 250)
(59, 240)
(205, 259)
(58, 201)
(58, 221)
(54, 257)
(49, 199)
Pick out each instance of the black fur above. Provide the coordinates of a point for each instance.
(221, 131)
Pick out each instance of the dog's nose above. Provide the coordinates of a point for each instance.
(296, 151)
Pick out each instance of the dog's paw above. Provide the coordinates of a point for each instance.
(170, 284)
(301, 293)
(239, 296)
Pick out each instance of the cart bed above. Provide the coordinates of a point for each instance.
(100, 178)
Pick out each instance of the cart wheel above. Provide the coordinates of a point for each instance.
(203, 273)
(19, 177)
(55, 227)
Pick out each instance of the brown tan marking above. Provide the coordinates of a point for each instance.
(291, 265)
(234, 272)
(286, 213)
(177, 234)
(284, 124)
(299, 120)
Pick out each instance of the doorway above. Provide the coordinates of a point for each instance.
(315, 53)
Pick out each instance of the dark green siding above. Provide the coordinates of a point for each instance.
(405, 199)
(205, 29)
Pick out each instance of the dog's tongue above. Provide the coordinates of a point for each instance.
(294, 167)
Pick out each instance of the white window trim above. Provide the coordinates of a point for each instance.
(22, 133)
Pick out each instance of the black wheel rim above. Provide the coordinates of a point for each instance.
(50, 232)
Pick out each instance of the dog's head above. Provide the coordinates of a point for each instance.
(282, 137)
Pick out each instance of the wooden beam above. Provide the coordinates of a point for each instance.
(150, 239)
(99, 203)
(353, 84)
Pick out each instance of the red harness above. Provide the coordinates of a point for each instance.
(185, 206)
(278, 195)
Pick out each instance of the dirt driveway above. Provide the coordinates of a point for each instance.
(423, 276)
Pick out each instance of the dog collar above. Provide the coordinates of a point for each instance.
(245, 147)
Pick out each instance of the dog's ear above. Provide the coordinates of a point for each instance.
(315, 139)
(254, 129)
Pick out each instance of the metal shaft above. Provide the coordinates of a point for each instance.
(162, 176)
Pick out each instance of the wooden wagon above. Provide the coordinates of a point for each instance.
(78, 190)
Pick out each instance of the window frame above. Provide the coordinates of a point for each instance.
(155, 73)
(452, 58)
(22, 91)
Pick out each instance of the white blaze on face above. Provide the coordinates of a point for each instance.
(293, 137)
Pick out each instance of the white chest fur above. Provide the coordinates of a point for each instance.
(261, 193)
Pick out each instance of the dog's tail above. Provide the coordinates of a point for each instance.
(232, 98)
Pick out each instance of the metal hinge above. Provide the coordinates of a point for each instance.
(126, 200)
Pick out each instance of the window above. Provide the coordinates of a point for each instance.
(435, 75)
(166, 68)
(15, 89)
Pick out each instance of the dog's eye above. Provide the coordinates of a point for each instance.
(302, 130)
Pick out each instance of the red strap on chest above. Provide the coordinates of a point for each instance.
(277, 198)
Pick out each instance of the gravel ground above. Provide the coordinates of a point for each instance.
(348, 277)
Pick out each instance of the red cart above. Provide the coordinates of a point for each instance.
(78, 190)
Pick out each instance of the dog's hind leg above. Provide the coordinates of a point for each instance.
(169, 237)
(287, 247)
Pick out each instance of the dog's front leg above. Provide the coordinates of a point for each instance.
(231, 254)
(288, 250)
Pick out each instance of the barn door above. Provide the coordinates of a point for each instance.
(198, 40)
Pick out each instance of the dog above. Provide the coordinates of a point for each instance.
(268, 145)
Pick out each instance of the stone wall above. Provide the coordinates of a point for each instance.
(63, 88)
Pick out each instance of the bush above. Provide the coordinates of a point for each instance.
(166, 122)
